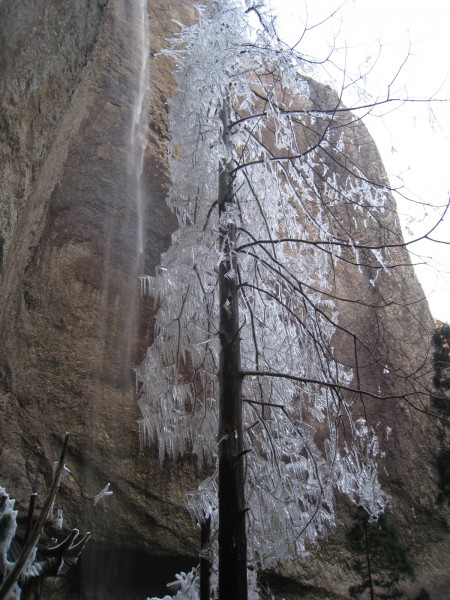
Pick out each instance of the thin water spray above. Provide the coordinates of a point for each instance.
(138, 130)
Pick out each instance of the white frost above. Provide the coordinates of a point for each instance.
(293, 425)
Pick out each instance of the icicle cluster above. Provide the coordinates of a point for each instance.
(8, 527)
(303, 441)
(187, 585)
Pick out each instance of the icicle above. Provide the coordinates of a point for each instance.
(59, 518)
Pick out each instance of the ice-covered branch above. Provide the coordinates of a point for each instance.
(266, 207)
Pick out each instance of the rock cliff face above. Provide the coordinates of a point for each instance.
(72, 323)
(70, 300)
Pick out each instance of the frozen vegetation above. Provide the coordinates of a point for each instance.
(256, 200)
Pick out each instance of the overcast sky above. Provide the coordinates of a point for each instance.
(414, 139)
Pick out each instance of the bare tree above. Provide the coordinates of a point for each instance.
(272, 204)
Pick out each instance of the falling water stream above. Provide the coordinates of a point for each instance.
(138, 130)
(108, 571)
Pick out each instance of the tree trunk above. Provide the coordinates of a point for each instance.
(232, 535)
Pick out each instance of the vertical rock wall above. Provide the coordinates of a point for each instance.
(72, 323)
(70, 307)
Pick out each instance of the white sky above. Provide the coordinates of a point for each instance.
(413, 140)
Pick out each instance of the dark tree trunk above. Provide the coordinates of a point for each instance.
(232, 535)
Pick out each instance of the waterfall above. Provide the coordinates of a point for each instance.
(138, 129)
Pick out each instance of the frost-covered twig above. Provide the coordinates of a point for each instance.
(16, 570)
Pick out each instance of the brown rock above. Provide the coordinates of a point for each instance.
(70, 293)
(72, 323)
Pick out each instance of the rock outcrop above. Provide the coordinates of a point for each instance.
(73, 324)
